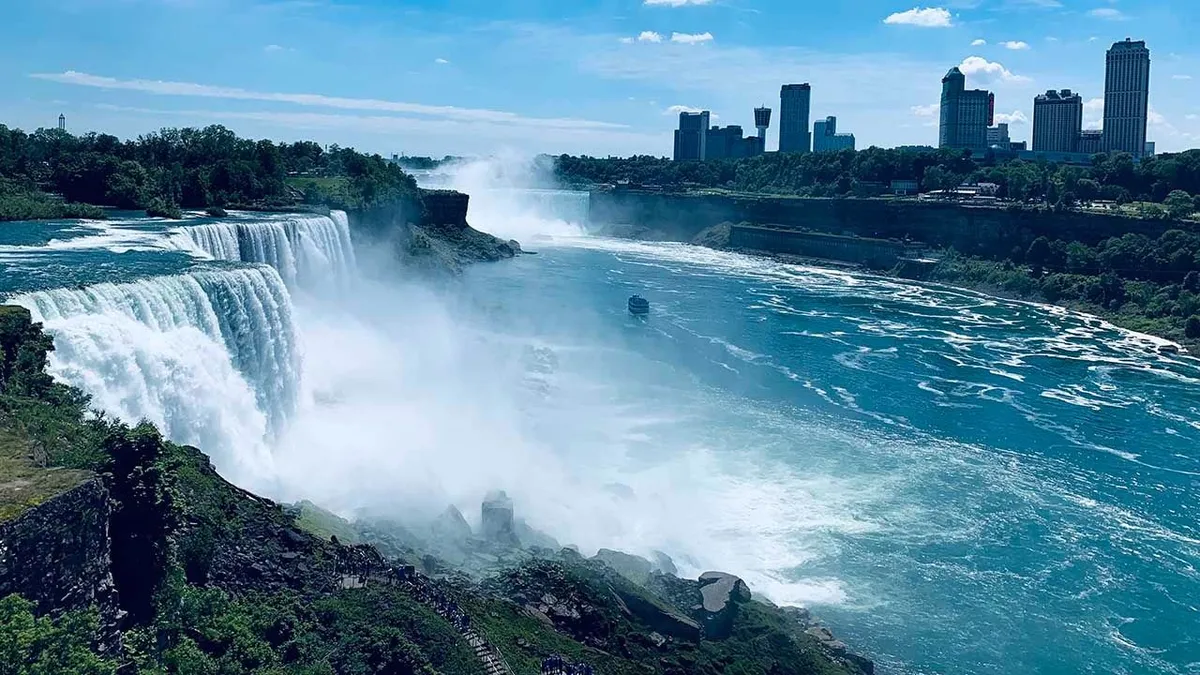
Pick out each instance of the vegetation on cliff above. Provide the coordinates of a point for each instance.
(215, 580)
(1172, 179)
(184, 168)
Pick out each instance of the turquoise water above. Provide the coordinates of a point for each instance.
(957, 484)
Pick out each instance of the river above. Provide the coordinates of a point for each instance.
(953, 482)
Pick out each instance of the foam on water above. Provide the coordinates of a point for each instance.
(211, 355)
(308, 250)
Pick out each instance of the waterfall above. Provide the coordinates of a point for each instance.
(210, 356)
(309, 251)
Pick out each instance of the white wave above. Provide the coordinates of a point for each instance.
(307, 250)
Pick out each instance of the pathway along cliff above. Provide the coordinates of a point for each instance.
(957, 483)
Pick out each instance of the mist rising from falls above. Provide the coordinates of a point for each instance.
(309, 251)
(509, 197)
(211, 357)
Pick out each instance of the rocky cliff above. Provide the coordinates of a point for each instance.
(431, 235)
(58, 555)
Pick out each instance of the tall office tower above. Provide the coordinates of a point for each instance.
(1126, 97)
(794, 100)
(966, 114)
(692, 135)
(1057, 121)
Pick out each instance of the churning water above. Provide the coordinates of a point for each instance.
(956, 483)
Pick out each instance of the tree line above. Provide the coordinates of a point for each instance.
(191, 168)
(1169, 179)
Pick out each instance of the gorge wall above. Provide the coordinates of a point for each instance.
(975, 230)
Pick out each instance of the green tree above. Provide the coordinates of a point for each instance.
(1179, 204)
(31, 645)
(1192, 327)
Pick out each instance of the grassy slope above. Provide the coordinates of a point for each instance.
(24, 484)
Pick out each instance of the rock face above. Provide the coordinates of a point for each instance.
(720, 596)
(430, 234)
(57, 555)
(635, 568)
(497, 514)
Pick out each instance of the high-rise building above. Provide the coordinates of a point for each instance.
(997, 136)
(1091, 141)
(1057, 121)
(827, 139)
(692, 135)
(62, 122)
(966, 114)
(724, 143)
(1126, 97)
(794, 100)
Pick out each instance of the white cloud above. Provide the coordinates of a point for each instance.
(626, 40)
(193, 89)
(1155, 117)
(1015, 45)
(927, 17)
(930, 110)
(1107, 13)
(1093, 113)
(441, 62)
(441, 135)
(978, 66)
(691, 38)
(676, 3)
(1192, 116)
(1014, 118)
(649, 36)
(272, 48)
(1181, 77)
(978, 42)
(676, 109)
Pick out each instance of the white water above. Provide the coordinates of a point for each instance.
(211, 357)
(311, 252)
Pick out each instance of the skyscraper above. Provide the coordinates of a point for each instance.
(1057, 121)
(966, 114)
(827, 139)
(794, 102)
(1126, 97)
(997, 136)
(691, 136)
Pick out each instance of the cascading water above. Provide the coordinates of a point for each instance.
(210, 356)
(309, 251)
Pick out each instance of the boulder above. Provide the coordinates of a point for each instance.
(664, 564)
(720, 596)
(634, 568)
(497, 512)
(450, 526)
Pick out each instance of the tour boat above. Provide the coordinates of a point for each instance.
(638, 305)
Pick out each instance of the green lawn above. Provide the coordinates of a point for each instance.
(24, 484)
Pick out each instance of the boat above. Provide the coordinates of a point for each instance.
(638, 305)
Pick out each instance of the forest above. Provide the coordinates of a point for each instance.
(51, 173)
(1170, 180)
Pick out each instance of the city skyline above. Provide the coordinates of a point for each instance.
(599, 77)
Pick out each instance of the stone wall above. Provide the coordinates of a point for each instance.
(57, 555)
(981, 230)
(877, 253)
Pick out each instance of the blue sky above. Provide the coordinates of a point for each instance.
(580, 76)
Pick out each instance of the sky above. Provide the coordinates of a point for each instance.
(597, 77)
